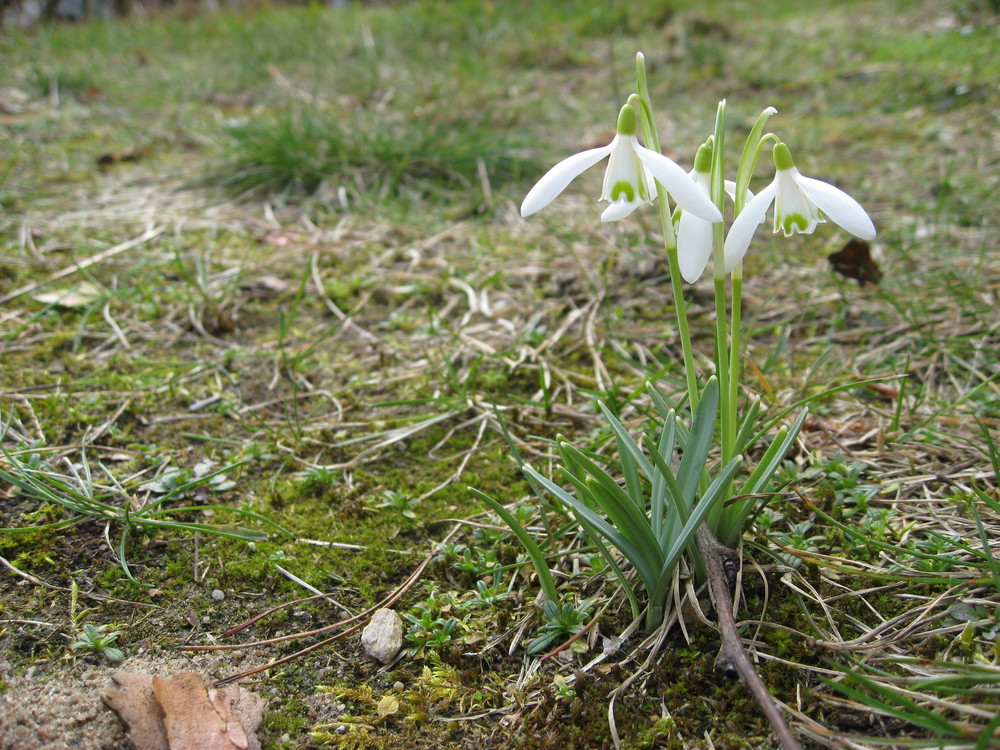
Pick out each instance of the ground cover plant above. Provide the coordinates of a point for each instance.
(268, 308)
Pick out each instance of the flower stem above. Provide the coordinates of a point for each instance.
(727, 384)
(669, 236)
(682, 327)
(734, 355)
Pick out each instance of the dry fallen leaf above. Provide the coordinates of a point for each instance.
(184, 712)
(388, 706)
(81, 295)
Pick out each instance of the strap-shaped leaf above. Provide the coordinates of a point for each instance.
(626, 443)
(680, 507)
(712, 497)
(623, 513)
(774, 455)
(633, 528)
(632, 459)
(664, 451)
(609, 559)
(747, 424)
(647, 571)
(699, 441)
(530, 546)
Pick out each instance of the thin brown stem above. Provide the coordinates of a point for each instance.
(721, 563)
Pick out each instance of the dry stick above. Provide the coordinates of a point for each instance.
(732, 658)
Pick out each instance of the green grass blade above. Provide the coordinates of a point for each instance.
(989, 734)
(545, 505)
(987, 552)
(762, 433)
(893, 703)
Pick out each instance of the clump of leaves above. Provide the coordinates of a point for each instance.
(94, 638)
(560, 621)
(300, 150)
(198, 480)
(398, 501)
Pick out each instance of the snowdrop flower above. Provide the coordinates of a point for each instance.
(628, 181)
(694, 234)
(800, 203)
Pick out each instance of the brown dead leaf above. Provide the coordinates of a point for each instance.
(184, 712)
(388, 706)
(854, 261)
(132, 699)
(110, 158)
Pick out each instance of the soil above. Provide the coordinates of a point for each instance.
(54, 708)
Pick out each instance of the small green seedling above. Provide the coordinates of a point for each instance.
(93, 638)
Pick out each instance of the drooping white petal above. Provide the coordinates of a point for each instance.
(794, 213)
(730, 188)
(677, 182)
(694, 235)
(743, 228)
(694, 245)
(620, 209)
(625, 177)
(838, 206)
(560, 176)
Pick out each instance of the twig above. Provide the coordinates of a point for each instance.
(721, 563)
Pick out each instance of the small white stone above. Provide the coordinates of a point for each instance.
(383, 636)
(218, 595)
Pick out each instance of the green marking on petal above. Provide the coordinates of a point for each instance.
(791, 222)
(626, 120)
(782, 157)
(623, 188)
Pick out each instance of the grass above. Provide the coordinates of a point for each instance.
(299, 235)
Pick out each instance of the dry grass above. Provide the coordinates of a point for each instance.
(368, 336)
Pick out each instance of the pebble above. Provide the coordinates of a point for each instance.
(218, 595)
(383, 636)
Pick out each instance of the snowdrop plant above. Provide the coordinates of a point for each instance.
(691, 473)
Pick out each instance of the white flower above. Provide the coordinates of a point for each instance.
(694, 234)
(800, 203)
(628, 181)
